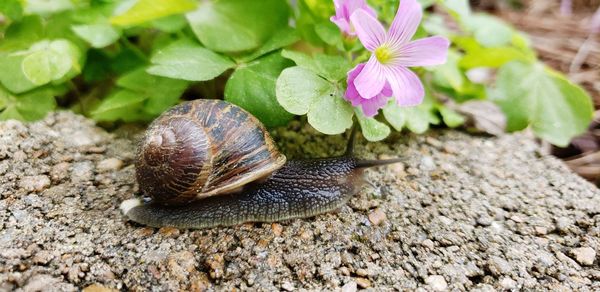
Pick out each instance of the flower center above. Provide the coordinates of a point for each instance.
(383, 54)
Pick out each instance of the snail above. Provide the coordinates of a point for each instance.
(207, 163)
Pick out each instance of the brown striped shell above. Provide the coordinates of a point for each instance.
(203, 148)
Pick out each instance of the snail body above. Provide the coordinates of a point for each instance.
(207, 163)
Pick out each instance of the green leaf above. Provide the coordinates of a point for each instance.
(283, 37)
(332, 68)
(36, 67)
(298, 88)
(416, 119)
(172, 24)
(329, 33)
(330, 114)
(489, 30)
(451, 118)
(493, 57)
(188, 61)
(237, 25)
(12, 76)
(148, 10)
(372, 129)
(160, 92)
(31, 106)
(11, 9)
(97, 35)
(531, 95)
(45, 7)
(300, 91)
(120, 104)
(449, 74)
(252, 87)
(46, 61)
(20, 35)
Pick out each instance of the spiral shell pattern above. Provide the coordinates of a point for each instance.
(203, 148)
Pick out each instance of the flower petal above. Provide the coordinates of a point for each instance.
(405, 23)
(368, 29)
(370, 107)
(352, 94)
(406, 85)
(424, 52)
(371, 79)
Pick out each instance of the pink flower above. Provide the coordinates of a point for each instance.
(393, 52)
(343, 11)
(369, 106)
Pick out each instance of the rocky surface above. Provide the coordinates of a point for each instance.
(462, 213)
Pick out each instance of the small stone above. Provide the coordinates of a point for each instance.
(60, 171)
(362, 272)
(97, 288)
(584, 255)
(427, 243)
(427, 163)
(539, 230)
(169, 231)
(277, 229)
(563, 223)
(350, 287)
(508, 283)
(109, 164)
(40, 282)
(181, 265)
(287, 286)
(485, 220)
(517, 218)
(436, 282)
(216, 264)
(363, 283)
(377, 216)
(499, 266)
(345, 271)
(36, 183)
(42, 257)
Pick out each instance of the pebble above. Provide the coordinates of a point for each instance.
(98, 288)
(216, 264)
(584, 255)
(277, 229)
(169, 231)
(427, 243)
(287, 286)
(350, 287)
(499, 266)
(363, 283)
(362, 272)
(508, 283)
(109, 164)
(563, 223)
(437, 283)
(377, 217)
(35, 183)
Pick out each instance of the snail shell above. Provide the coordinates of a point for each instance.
(201, 149)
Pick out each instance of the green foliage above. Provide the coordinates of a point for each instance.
(253, 87)
(147, 10)
(187, 60)
(234, 25)
(130, 60)
(301, 91)
(531, 94)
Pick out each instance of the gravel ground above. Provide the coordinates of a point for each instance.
(463, 213)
